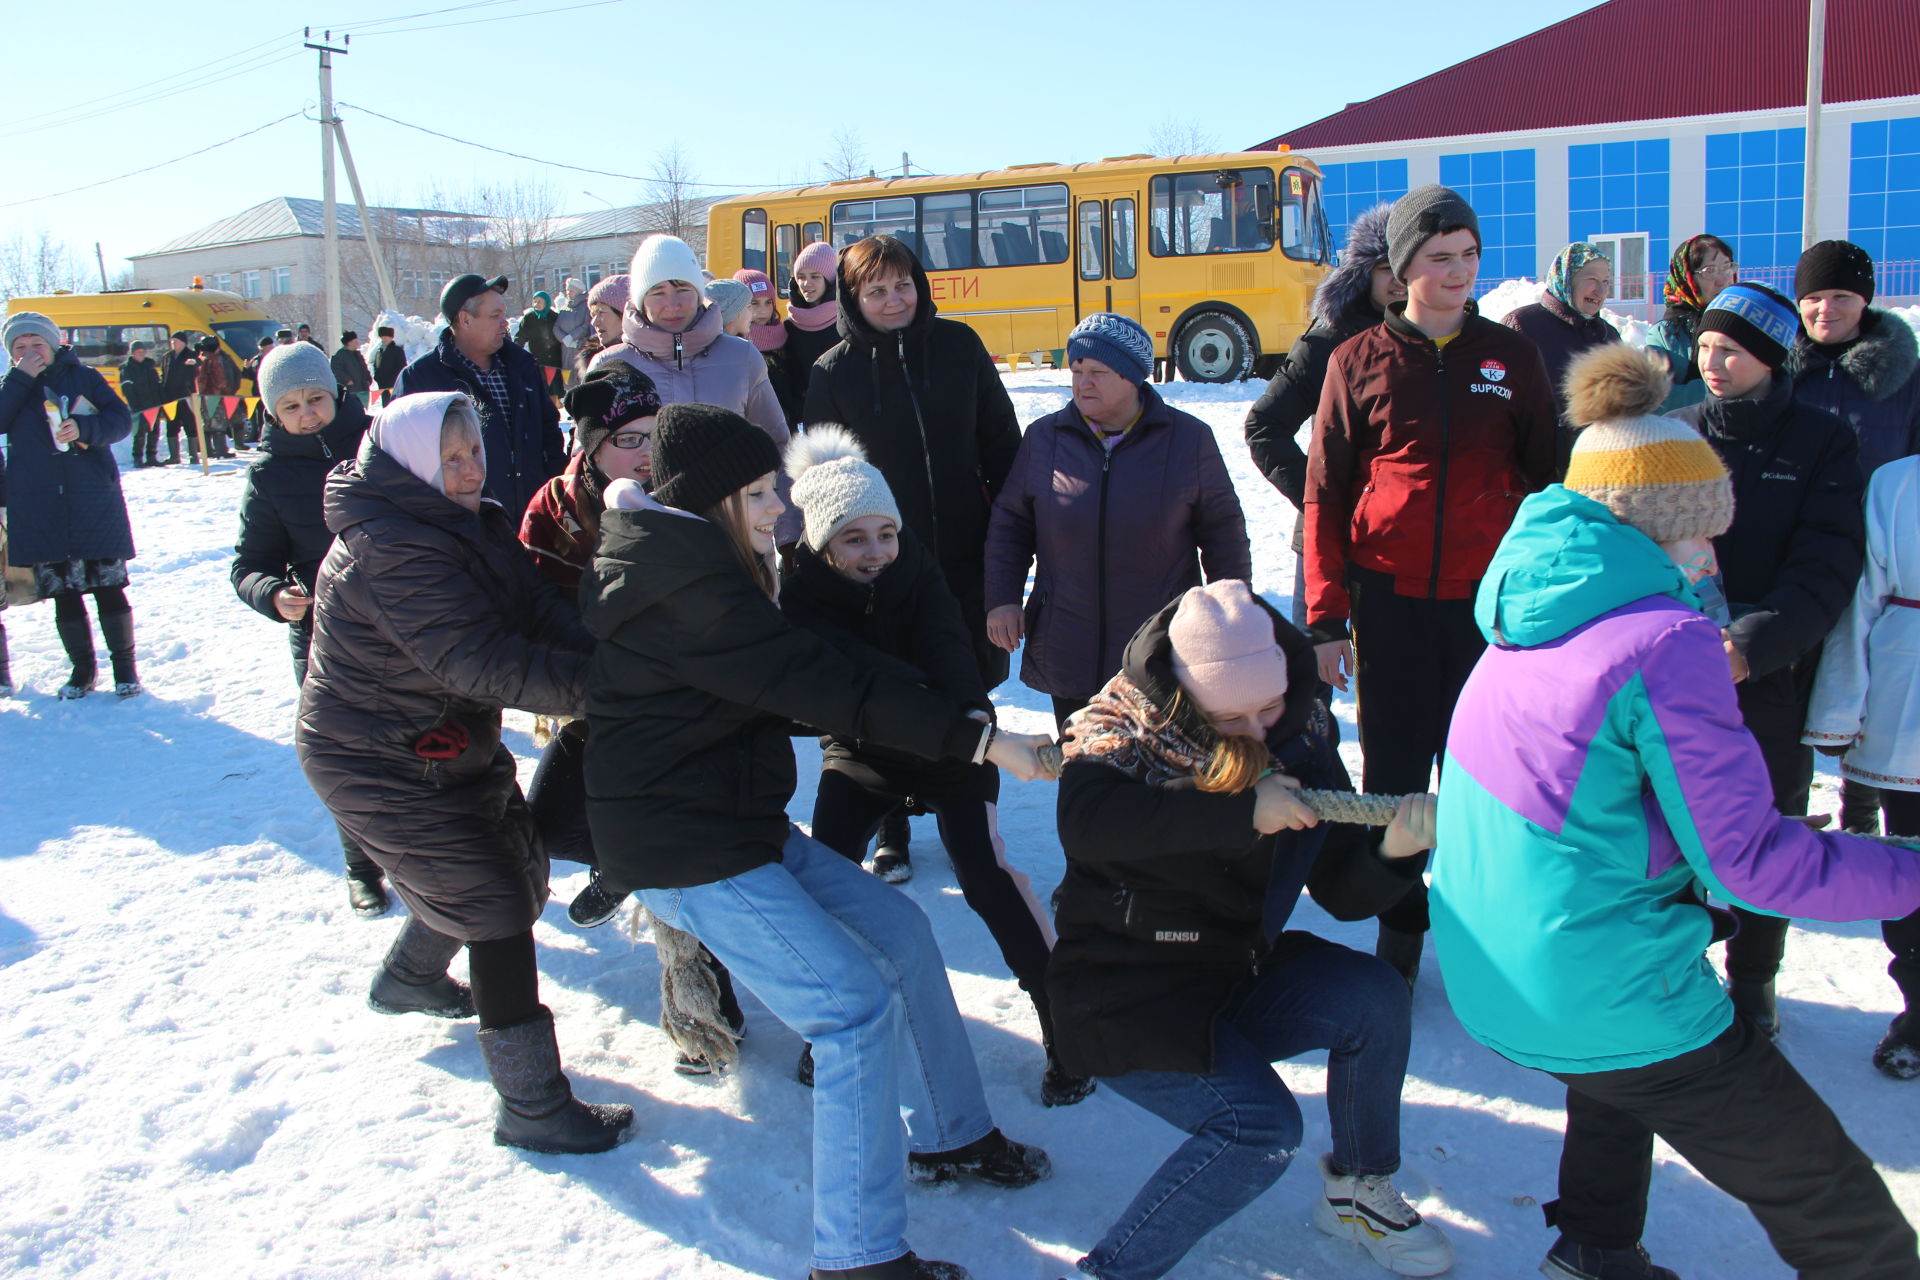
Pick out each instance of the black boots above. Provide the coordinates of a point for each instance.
(909, 1267)
(367, 895)
(996, 1160)
(1570, 1261)
(413, 979)
(1754, 1001)
(116, 624)
(76, 637)
(537, 1110)
(1898, 1054)
(595, 904)
(1058, 1086)
(1401, 950)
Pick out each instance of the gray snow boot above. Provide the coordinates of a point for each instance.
(537, 1110)
(414, 978)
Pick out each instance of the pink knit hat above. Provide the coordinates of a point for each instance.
(1224, 651)
(756, 281)
(610, 292)
(818, 256)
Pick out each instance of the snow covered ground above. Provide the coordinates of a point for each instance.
(191, 1084)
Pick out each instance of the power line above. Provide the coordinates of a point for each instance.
(248, 59)
(51, 195)
(371, 24)
(220, 76)
(556, 164)
(498, 17)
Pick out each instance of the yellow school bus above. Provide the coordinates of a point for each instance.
(102, 327)
(1216, 255)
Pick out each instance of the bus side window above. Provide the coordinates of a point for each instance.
(784, 251)
(946, 231)
(96, 344)
(812, 233)
(1124, 266)
(753, 239)
(1024, 226)
(1093, 233)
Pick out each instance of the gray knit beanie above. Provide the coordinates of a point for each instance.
(834, 484)
(22, 323)
(1419, 216)
(295, 368)
(730, 296)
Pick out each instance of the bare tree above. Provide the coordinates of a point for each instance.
(671, 190)
(1181, 137)
(848, 159)
(39, 264)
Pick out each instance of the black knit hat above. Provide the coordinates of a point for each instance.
(606, 400)
(702, 453)
(1834, 264)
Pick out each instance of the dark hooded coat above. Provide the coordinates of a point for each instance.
(1171, 898)
(696, 684)
(1870, 385)
(63, 504)
(928, 405)
(428, 620)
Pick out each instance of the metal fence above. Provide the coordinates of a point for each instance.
(1892, 280)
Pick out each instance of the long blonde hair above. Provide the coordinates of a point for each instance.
(730, 514)
(1235, 763)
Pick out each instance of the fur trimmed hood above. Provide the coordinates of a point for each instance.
(1880, 362)
(1352, 280)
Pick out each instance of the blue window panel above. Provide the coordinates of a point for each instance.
(1364, 175)
(1723, 150)
(1584, 161)
(1874, 242)
(1583, 193)
(1903, 173)
(1333, 181)
(1865, 212)
(1723, 185)
(1617, 190)
(1867, 173)
(1393, 174)
(1870, 139)
(1757, 147)
(1793, 146)
(1616, 157)
(1756, 217)
(1903, 136)
(1519, 165)
(1723, 220)
(1902, 245)
(1520, 232)
(1756, 183)
(1520, 197)
(1485, 166)
(1651, 188)
(1786, 249)
(1903, 209)
(1650, 154)
(1454, 171)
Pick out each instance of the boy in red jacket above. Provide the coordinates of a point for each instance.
(1432, 427)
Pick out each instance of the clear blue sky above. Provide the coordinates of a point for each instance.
(752, 96)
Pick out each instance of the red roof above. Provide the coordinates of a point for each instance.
(1872, 51)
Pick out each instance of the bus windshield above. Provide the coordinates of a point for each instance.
(244, 335)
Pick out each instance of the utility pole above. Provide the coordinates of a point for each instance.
(1816, 69)
(101, 258)
(906, 165)
(367, 233)
(330, 213)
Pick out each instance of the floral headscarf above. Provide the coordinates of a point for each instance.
(1566, 265)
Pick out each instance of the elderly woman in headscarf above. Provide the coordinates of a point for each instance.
(1566, 324)
(1702, 266)
(429, 618)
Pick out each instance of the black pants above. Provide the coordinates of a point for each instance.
(1412, 656)
(847, 813)
(1903, 936)
(506, 980)
(1747, 1122)
(558, 797)
(1775, 714)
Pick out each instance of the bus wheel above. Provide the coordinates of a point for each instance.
(1214, 347)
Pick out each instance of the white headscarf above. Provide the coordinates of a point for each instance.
(408, 430)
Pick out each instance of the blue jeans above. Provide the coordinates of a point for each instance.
(850, 963)
(1245, 1125)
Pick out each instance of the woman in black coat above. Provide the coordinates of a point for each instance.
(429, 618)
(1174, 976)
(1566, 323)
(68, 518)
(310, 428)
(1788, 565)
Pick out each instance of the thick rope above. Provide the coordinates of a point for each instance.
(689, 995)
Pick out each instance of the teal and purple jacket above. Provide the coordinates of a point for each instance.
(1597, 779)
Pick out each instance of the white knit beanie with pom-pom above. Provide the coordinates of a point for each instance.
(834, 484)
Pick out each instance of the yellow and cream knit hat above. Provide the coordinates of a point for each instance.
(1657, 474)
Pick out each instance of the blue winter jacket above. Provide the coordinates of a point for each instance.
(524, 445)
(63, 504)
(1871, 385)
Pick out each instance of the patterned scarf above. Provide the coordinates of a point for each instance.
(1566, 265)
(1680, 288)
(1121, 728)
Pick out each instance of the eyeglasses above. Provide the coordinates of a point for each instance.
(630, 439)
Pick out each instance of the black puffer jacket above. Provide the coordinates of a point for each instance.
(905, 622)
(1871, 385)
(928, 405)
(1160, 914)
(697, 681)
(140, 384)
(1793, 556)
(428, 620)
(283, 535)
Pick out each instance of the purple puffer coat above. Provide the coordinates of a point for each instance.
(1115, 536)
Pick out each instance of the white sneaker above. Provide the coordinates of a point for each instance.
(1371, 1211)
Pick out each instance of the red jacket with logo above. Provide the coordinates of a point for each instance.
(1421, 455)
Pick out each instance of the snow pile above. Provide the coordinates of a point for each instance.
(191, 1084)
(1910, 314)
(1510, 295)
(416, 335)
